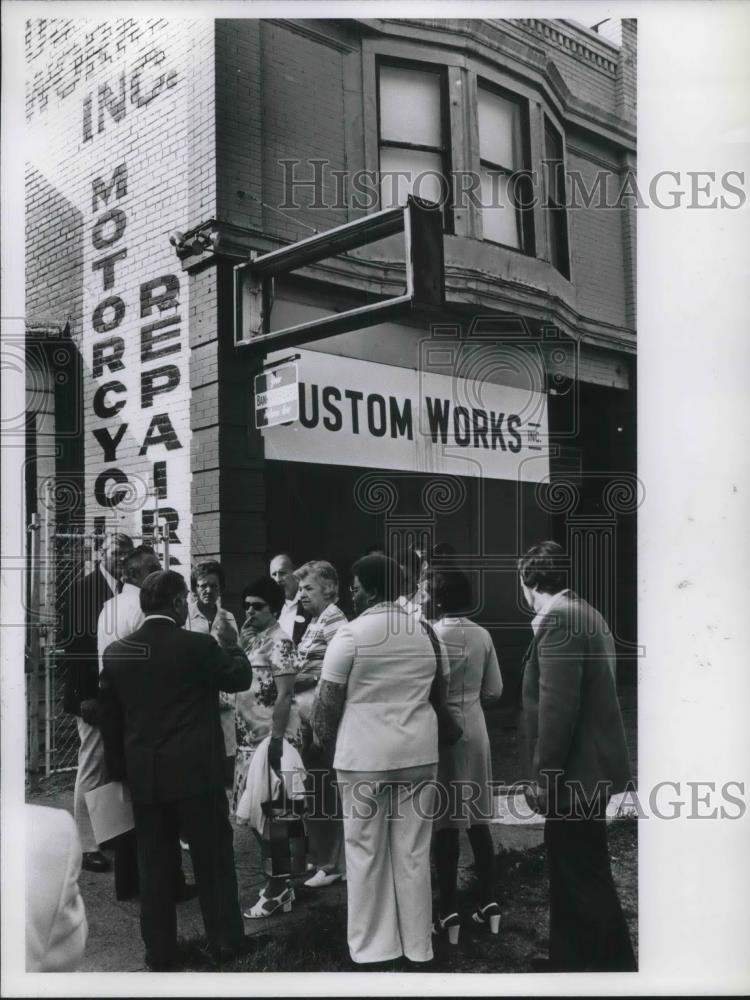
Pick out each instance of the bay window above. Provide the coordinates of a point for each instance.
(413, 135)
(503, 159)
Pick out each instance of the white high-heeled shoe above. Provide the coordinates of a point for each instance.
(488, 916)
(451, 924)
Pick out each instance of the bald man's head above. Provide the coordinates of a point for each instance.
(281, 570)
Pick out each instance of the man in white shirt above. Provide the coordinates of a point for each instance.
(82, 606)
(293, 619)
(121, 614)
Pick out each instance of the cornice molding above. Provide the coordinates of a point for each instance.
(599, 54)
(314, 34)
(520, 51)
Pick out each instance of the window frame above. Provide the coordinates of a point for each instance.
(445, 151)
(524, 215)
(559, 237)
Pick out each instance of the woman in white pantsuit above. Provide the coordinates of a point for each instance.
(374, 691)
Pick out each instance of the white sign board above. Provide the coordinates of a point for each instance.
(360, 413)
(277, 395)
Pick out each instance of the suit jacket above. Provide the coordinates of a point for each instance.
(571, 719)
(159, 710)
(85, 601)
(56, 926)
(301, 621)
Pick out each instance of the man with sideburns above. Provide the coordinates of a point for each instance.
(575, 749)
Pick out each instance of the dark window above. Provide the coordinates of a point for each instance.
(556, 214)
(414, 135)
(504, 163)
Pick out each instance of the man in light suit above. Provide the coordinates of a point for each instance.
(83, 606)
(575, 748)
(159, 712)
(56, 927)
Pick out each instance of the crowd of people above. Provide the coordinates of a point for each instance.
(186, 709)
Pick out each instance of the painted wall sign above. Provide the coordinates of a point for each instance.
(107, 106)
(361, 413)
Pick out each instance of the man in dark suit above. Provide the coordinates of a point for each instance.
(575, 747)
(159, 715)
(85, 601)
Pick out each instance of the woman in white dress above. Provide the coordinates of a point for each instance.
(465, 769)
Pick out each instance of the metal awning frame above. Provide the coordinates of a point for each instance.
(420, 222)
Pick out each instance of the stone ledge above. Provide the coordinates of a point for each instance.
(516, 828)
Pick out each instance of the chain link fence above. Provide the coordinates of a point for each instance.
(56, 561)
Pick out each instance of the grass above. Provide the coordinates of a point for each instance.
(313, 939)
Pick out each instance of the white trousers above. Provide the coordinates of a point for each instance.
(387, 829)
(91, 773)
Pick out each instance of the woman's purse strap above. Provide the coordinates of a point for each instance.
(435, 647)
(449, 731)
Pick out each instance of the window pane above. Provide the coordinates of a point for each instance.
(424, 173)
(558, 240)
(554, 166)
(410, 106)
(499, 217)
(552, 142)
(499, 130)
(558, 230)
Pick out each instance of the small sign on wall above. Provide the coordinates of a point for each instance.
(277, 395)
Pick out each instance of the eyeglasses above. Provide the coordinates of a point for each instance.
(255, 605)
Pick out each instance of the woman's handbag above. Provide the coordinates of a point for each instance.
(283, 841)
(449, 731)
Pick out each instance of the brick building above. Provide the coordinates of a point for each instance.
(245, 135)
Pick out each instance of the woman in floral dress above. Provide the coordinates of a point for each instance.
(267, 708)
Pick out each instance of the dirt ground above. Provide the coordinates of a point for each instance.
(312, 938)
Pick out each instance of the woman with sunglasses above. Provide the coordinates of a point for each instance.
(267, 708)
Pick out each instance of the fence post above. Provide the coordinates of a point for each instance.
(47, 712)
(164, 532)
(32, 645)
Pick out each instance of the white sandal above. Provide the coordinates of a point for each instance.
(267, 905)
